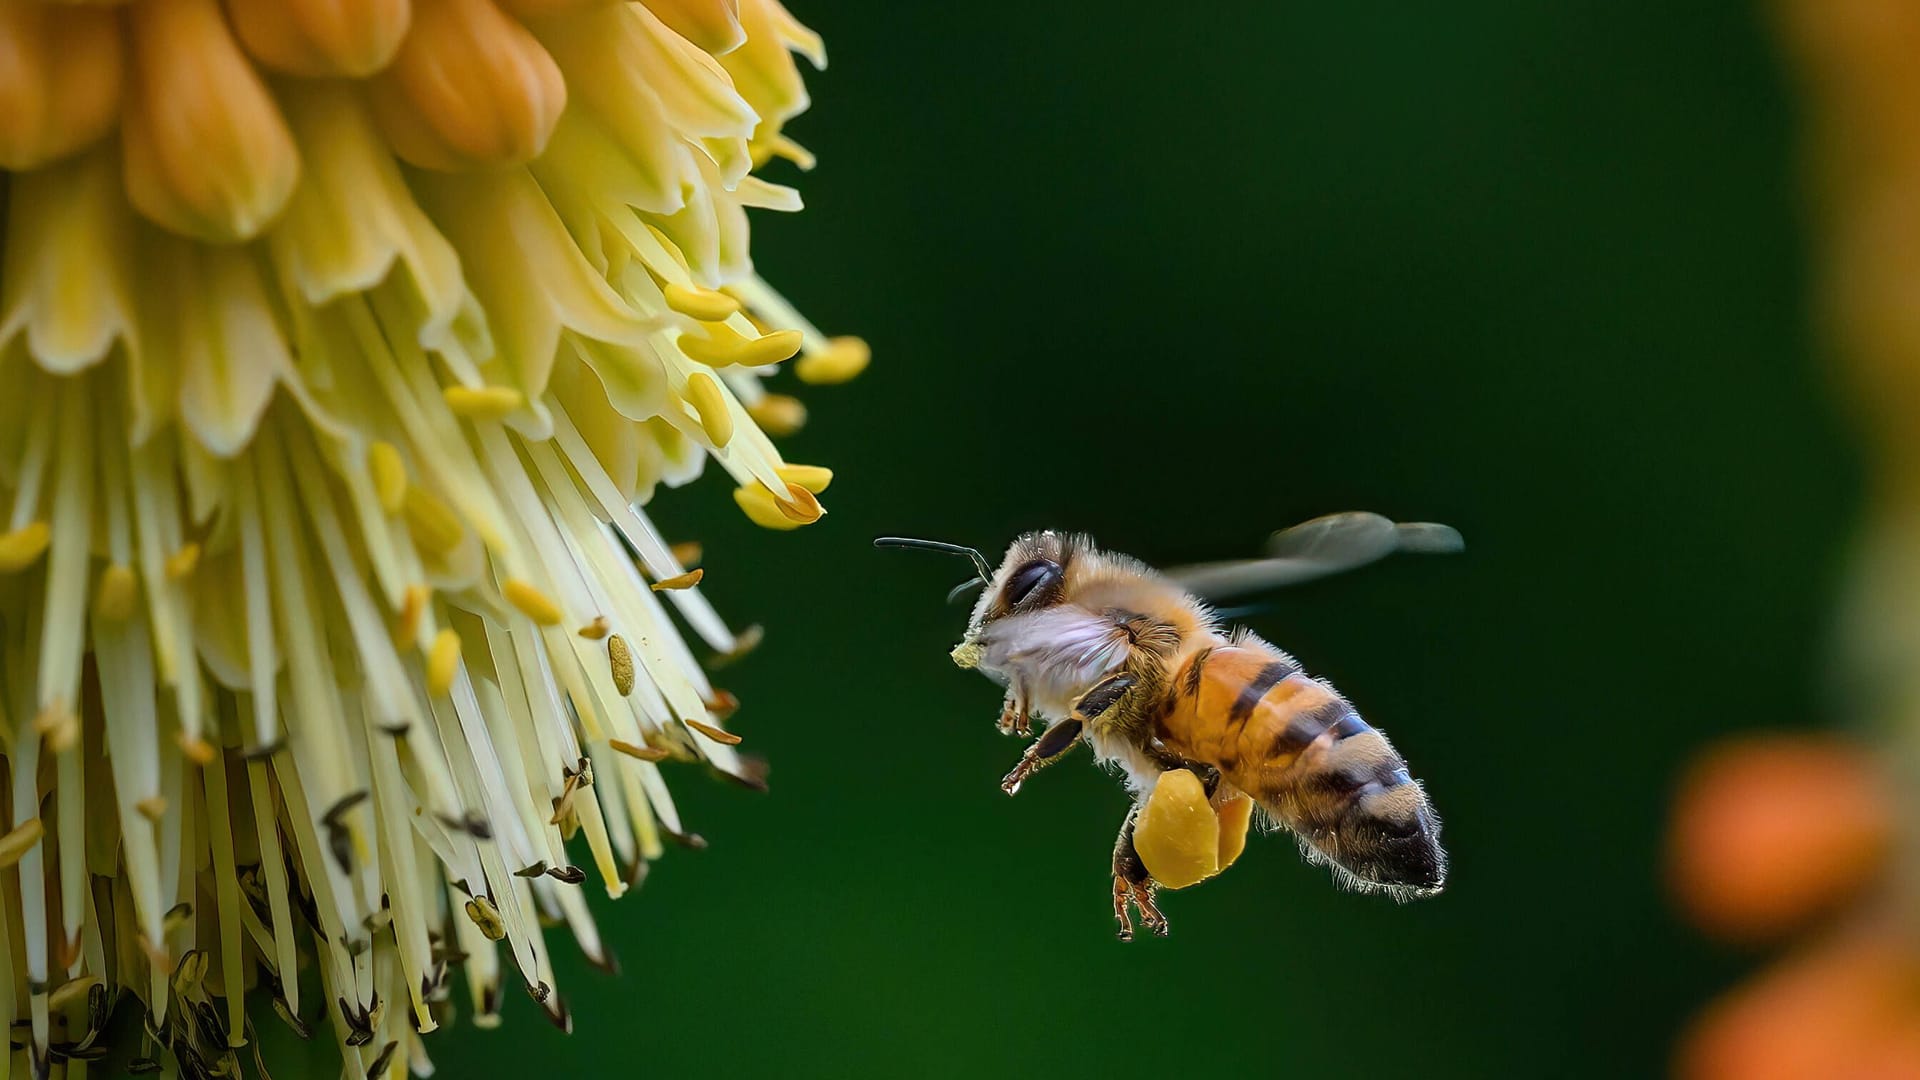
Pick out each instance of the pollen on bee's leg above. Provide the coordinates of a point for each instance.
(483, 402)
(707, 305)
(680, 581)
(842, 359)
(21, 547)
(531, 602)
(1178, 834)
(442, 661)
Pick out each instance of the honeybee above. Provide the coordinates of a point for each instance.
(1105, 650)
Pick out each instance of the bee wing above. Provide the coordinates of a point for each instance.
(1315, 549)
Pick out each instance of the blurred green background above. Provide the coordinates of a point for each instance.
(1178, 276)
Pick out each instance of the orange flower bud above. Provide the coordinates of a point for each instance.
(59, 81)
(207, 153)
(1769, 831)
(318, 38)
(470, 86)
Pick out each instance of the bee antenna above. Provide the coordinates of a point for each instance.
(964, 588)
(979, 560)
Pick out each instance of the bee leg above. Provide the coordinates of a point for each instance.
(1050, 747)
(1014, 718)
(1133, 885)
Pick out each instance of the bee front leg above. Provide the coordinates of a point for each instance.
(1063, 736)
(1133, 886)
(1014, 717)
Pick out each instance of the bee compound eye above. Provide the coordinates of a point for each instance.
(1033, 576)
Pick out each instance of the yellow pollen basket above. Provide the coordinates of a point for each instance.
(1181, 839)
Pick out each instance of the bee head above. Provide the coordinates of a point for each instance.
(1031, 576)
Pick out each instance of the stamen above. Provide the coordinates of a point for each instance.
(153, 808)
(597, 629)
(643, 753)
(724, 347)
(181, 564)
(20, 840)
(770, 511)
(722, 704)
(686, 552)
(198, 750)
(779, 415)
(483, 402)
(442, 661)
(621, 660)
(814, 478)
(743, 643)
(58, 726)
(532, 603)
(726, 737)
(486, 917)
(433, 524)
(114, 596)
(413, 610)
(703, 393)
(19, 548)
(841, 360)
(703, 304)
(389, 475)
(680, 581)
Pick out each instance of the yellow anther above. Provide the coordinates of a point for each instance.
(389, 475)
(58, 726)
(769, 511)
(432, 523)
(597, 629)
(487, 918)
(413, 609)
(153, 808)
(483, 403)
(181, 564)
(113, 597)
(703, 392)
(644, 753)
(727, 738)
(442, 661)
(198, 750)
(620, 658)
(842, 359)
(724, 347)
(686, 552)
(779, 415)
(703, 304)
(680, 581)
(814, 478)
(532, 603)
(20, 840)
(19, 548)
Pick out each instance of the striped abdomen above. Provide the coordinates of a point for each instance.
(1304, 754)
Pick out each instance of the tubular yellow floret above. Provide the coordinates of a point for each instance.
(442, 661)
(532, 603)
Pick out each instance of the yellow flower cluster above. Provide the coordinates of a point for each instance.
(341, 342)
